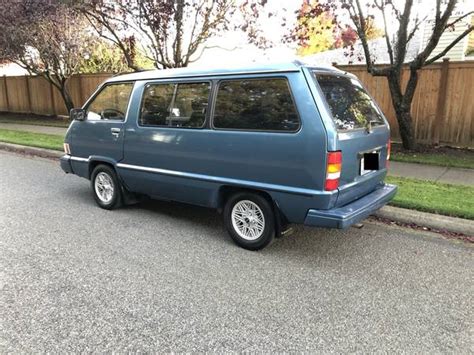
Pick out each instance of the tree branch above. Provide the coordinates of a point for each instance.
(401, 41)
(177, 43)
(210, 47)
(357, 17)
(410, 87)
(381, 7)
(416, 26)
(104, 20)
(438, 30)
(459, 19)
(451, 45)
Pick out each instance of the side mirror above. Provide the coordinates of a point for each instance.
(77, 114)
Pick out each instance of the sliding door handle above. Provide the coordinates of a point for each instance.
(115, 131)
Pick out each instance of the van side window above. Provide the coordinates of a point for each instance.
(110, 103)
(175, 105)
(256, 104)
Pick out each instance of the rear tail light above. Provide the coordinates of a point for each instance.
(67, 150)
(389, 149)
(333, 170)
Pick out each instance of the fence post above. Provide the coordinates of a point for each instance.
(441, 103)
(81, 92)
(51, 90)
(6, 92)
(28, 97)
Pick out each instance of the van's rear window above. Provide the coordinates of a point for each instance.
(350, 105)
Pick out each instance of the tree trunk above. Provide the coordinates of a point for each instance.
(405, 127)
(402, 106)
(68, 102)
(60, 84)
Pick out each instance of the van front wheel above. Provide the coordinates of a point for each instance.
(106, 187)
(250, 220)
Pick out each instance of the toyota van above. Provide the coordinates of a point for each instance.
(266, 146)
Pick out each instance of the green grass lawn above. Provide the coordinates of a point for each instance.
(41, 140)
(450, 157)
(434, 197)
(37, 122)
(33, 120)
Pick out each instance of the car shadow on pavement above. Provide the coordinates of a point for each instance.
(309, 241)
(304, 240)
(196, 214)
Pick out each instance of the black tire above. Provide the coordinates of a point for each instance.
(116, 199)
(268, 234)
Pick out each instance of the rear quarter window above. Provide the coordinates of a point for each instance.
(350, 105)
(256, 105)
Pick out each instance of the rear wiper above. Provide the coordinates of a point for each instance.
(368, 126)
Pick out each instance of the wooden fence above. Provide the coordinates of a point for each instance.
(33, 94)
(443, 107)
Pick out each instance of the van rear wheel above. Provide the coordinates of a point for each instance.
(106, 187)
(250, 221)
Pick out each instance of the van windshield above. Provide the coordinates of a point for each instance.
(350, 105)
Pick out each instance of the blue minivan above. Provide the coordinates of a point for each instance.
(266, 146)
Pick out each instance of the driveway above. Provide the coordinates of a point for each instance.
(165, 277)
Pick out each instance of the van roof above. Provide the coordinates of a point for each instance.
(198, 72)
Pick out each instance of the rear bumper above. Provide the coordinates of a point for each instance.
(345, 216)
(65, 162)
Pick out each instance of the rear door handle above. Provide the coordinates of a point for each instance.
(115, 131)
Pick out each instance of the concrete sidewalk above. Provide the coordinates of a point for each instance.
(416, 171)
(455, 176)
(34, 128)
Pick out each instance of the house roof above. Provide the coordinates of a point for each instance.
(270, 67)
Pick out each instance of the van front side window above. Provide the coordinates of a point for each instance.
(175, 105)
(111, 103)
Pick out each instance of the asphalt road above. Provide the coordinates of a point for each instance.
(166, 277)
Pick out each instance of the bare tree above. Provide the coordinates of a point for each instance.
(46, 38)
(169, 32)
(397, 42)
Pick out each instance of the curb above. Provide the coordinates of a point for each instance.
(424, 219)
(39, 152)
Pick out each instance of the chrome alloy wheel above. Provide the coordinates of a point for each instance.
(104, 187)
(248, 220)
